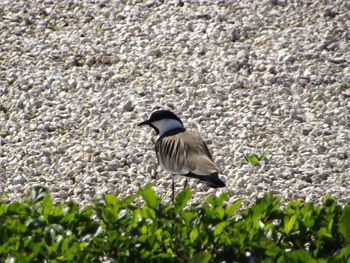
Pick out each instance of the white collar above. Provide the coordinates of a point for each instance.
(166, 125)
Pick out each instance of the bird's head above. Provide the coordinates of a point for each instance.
(162, 121)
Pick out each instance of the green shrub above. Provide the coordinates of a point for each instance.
(37, 230)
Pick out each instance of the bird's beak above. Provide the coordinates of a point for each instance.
(146, 122)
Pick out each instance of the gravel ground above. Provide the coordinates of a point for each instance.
(249, 76)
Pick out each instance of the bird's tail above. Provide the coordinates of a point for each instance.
(214, 182)
(211, 180)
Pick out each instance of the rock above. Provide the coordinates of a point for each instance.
(19, 180)
(128, 106)
(306, 130)
(279, 2)
(309, 117)
(342, 155)
(295, 116)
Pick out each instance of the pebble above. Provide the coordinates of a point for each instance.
(128, 106)
(342, 155)
(307, 130)
(19, 180)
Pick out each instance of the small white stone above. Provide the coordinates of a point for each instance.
(19, 180)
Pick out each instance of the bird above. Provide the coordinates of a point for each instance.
(182, 152)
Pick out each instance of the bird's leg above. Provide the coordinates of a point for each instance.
(173, 188)
(185, 184)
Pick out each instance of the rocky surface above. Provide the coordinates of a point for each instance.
(249, 76)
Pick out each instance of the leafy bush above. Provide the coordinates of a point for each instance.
(37, 230)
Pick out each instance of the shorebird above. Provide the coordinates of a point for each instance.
(182, 152)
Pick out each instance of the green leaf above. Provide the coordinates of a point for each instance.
(13, 243)
(344, 223)
(219, 212)
(17, 208)
(37, 247)
(182, 199)
(233, 207)
(50, 236)
(72, 251)
(148, 213)
(214, 202)
(162, 256)
(70, 215)
(111, 201)
(128, 200)
(202, 257)
(149, 196)
(110, 215)
(3, 208)
(253, 159)
(38, 193)
(221, 198)
(87, 213)
(136, 218)
(323, 232)
(194, 234)
(290, 224)
(143, 229)
(35, 222)
(14, 208)
(219, 228)
(341, 256)
(47, 206)
(272, 249)
(47, 202)
(299, 256)
(189, 216)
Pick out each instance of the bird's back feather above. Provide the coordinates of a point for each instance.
(183, 152)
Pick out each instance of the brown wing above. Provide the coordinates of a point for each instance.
(185, 152)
